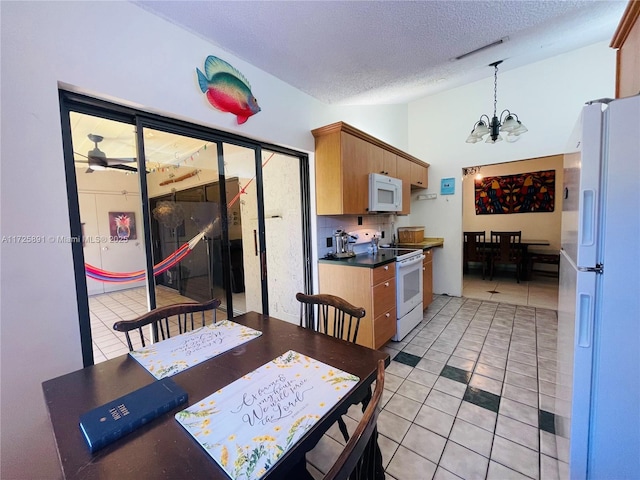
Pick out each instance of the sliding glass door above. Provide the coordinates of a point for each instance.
(171, 212)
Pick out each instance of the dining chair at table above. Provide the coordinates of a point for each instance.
(331, 315)
(506, 249)
(474, 250)
(357, 459)
(161, 316)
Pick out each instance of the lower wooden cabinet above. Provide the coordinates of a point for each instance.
(371, 288)
(427, 278)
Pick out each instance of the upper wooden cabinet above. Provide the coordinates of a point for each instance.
(627, 42)
(419, 176)
(345, 156)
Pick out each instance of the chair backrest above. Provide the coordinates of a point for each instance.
(506, 245)
(160, 317)
(330, 315)
(474, 246)
(358, 459)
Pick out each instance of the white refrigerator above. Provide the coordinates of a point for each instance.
(597, 402)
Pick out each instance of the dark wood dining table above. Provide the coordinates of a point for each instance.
(162, 448)
(525, 243)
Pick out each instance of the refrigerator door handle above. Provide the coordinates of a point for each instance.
(584, 316)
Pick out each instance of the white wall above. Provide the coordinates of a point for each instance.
(547, 96)
(117, 51)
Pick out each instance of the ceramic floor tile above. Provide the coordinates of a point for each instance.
(435, 420)
(548, 444)
(477, 415)
(515, 456)
(414, 391)
(522, 395)
(424, 442)
(422, 377)
(443, 402)
(549, 468)
(398, 369)
(408, 465)
(483, 399)
(388, 448)
(392, 382)
(489, 371)
(487, 384)
(461, 363)
(415, 350)
(430, 366)
(451, 387)
(518, 432)
(442, 474)
(500, 472)
(403, 407)
(519, 380)
(472, 437)
(324, 454)
(519, 411)
(392, 426)
(407, 359)
(464, 462)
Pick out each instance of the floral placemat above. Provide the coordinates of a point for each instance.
(249, 424)
(176, 354)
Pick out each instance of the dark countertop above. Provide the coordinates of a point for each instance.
(367, 260)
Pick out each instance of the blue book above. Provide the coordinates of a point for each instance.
(113, 420)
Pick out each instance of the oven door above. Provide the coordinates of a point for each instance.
(408, 284)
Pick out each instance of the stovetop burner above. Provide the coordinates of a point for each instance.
(401, 253)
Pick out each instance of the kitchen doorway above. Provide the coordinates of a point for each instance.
(142, 189)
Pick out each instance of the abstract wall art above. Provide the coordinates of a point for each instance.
(520, 193)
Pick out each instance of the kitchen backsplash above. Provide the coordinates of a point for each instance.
(327, 226)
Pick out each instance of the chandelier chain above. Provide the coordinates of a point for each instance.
(495, 91)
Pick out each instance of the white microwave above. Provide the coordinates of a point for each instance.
(385, 193)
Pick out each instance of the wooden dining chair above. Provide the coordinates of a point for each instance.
(506, 249)
(358, 458)
(474, 250)
(160, 318)
(331, 315)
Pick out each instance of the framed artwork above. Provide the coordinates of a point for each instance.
(448, 186)
(520, 193)
(122, 226)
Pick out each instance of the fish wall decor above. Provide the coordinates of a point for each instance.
(227, 89)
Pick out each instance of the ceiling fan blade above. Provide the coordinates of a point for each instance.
(118, 161)
(123, 167)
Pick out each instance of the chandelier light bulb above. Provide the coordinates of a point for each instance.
(508, 122)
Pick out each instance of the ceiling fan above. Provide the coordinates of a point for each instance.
(98, 160)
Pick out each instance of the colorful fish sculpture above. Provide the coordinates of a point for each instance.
(227, 89)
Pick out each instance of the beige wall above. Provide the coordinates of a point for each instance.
(539, 225)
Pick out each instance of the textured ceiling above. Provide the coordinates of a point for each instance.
(376, 52)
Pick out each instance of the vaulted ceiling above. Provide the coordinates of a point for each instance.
(378, 52)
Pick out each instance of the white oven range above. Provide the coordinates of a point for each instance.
(408, 289)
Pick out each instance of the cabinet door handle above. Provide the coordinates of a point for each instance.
(387, 315)
(386, 284)
(423, 269)
(386, 267)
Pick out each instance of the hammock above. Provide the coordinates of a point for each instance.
(129, 277)
(172, 260)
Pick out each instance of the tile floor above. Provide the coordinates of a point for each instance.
(108, 308)
(468, 394)
(540, 291)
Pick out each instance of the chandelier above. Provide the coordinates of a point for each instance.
(508, 122)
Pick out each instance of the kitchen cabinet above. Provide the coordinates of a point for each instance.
(403, 169)
(627, 42)
(419, 176)
(427, 278)
(344, 158)
(374, 289)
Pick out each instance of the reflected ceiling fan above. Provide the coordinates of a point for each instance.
(98, 160)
